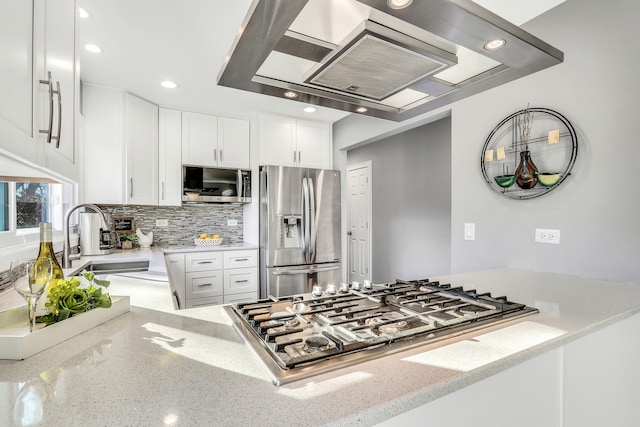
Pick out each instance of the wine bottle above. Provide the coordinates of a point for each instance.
(46, 251)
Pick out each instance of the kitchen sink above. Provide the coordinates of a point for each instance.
(112, 267)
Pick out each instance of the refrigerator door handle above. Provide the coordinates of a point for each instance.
(312, 221)
(305, 218)
(305, 271)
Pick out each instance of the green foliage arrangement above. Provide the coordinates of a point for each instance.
(66, 298)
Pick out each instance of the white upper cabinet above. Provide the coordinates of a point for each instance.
(16, 75)
(120, 153)
(288, 142)
(199, 139)
(277, 141)
(141, 144)
(215, 141)
(169, 155)
(233, 143)
(56, 99)
(37, 123)
(102, 153)
(313, 143)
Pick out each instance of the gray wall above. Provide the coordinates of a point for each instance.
(411, 198)
(596, 209)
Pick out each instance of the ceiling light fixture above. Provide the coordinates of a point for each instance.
(84, 13)
(92, 48)
(361, 110)
(290, 94)
(309, 110)
(398, 4)
(168, 84)
(494, 44)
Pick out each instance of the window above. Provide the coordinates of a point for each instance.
(4, 206)
(24, 205)
(32, 204)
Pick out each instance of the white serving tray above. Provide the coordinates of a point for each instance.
(17, 343)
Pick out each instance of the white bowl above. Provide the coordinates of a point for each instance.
(208, 242)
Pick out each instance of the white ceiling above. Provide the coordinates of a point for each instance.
(147, 41)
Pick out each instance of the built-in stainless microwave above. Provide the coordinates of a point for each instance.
(215, 185)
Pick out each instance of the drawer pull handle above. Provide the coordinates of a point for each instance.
(241, 259)
(204, 262)
(205, 284)
(241, 281)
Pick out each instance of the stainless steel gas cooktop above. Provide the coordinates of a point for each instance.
(300, 336)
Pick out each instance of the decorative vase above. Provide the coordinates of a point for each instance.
(127, 244)
(526, 171)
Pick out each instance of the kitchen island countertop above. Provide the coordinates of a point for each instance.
(156, 366)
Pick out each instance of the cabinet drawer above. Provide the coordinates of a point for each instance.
(203, 284)
(199, 302)
(241, 259)
(246, 297)
(203, 261)
(240, 280)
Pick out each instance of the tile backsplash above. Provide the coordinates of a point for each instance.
(184, 223)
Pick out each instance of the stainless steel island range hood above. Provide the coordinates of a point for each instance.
(375, 58)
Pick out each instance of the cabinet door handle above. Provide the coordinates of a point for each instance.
(205, 284)
(59, 93)
(241, 281)
(176, 299)
(162, 197)
(221, 158)
(130, 187)
(294, 156)
(215, 155)
(49, 131)
(299, 158)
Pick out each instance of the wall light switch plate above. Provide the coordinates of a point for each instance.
(469, 231)
(162, 222)
(232, 222)
(544, 235)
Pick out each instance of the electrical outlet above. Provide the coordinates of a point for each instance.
(469, 231)
(162, 222)
(544, 235)
(232, 222)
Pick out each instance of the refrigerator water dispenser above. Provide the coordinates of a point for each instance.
(291, 229)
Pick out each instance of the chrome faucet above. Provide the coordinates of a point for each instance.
(66, 249)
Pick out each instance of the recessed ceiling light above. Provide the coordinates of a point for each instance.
(169, 84)
(398, 4)
(92, 48)
(494, 44)
(290, 94)
(84, 13)
(361, 109)
(309, 110)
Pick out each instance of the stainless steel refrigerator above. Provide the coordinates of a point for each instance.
(299, 229)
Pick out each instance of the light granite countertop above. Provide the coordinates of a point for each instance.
(156, 366)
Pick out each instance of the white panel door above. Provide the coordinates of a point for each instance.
(359, 222)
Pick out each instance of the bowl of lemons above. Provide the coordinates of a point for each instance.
(208, 240)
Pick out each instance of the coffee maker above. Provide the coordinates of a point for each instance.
(94, 240)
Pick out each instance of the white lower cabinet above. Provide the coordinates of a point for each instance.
(213, 277)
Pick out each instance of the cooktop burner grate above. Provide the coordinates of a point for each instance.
(303, 335)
